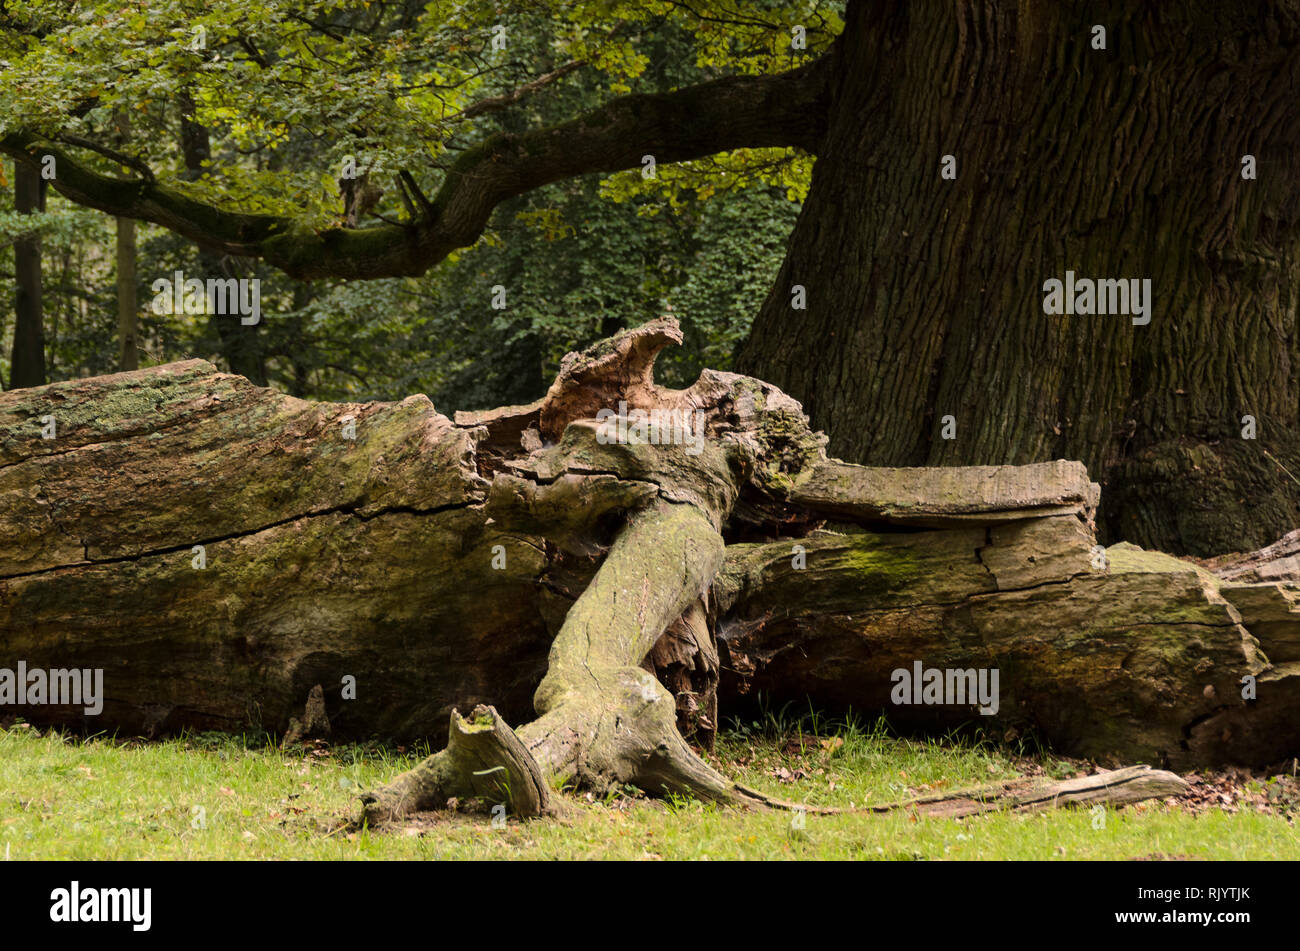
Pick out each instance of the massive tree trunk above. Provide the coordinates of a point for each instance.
(925, 295)
(220, 549)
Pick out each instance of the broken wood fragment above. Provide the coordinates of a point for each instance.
(1118, 787)
(483, 759)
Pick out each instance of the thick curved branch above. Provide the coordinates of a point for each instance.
(787, 109)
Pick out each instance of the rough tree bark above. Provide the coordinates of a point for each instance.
(925, 295)
(221, 549)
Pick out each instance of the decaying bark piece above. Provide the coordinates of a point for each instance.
(1279, 561)
(315, 723)
(939, 498)
(686, 661)
(220, 549)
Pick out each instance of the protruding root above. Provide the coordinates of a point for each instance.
(484, 759)
(603, 720)
(1118, 787)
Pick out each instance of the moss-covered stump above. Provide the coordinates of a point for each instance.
(220, 549)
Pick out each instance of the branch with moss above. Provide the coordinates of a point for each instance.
(784, 110)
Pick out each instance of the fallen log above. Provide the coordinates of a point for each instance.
(219, 550)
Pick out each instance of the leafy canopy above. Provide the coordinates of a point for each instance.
(302, 87)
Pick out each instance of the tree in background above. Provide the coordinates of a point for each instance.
(27, 358)
(582, 265)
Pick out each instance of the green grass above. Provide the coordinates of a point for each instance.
(219, 797)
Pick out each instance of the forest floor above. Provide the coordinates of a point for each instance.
(212, 796)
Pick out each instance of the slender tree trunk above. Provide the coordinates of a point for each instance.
(925, 295)
(301, 364)
(128, 311)
(240, 344)
(27, 361)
